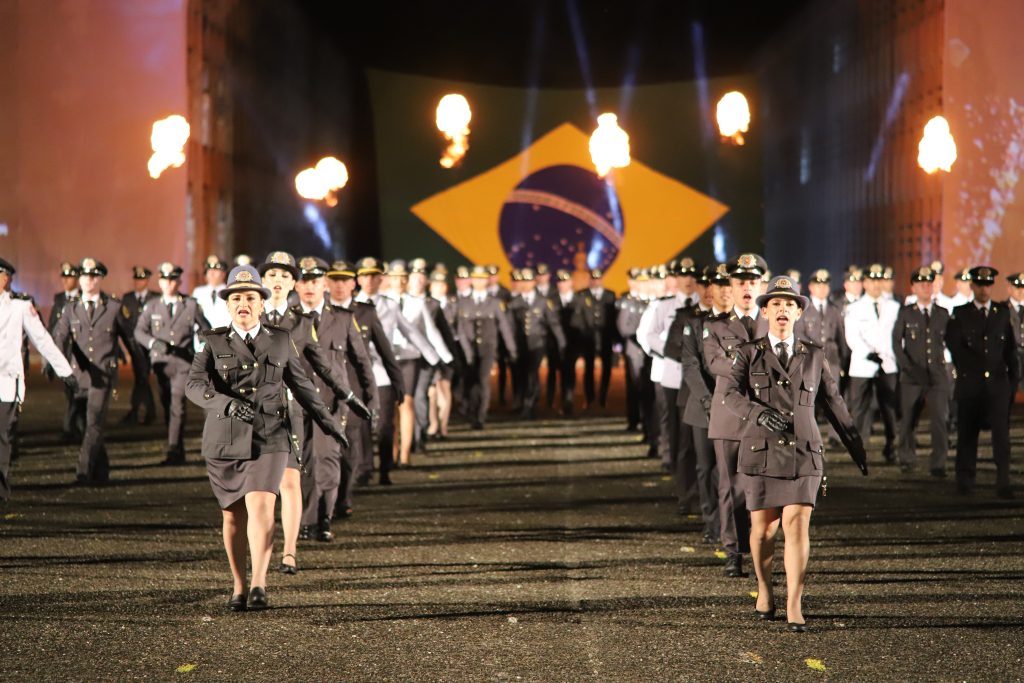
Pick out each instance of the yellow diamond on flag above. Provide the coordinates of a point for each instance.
(646, 217)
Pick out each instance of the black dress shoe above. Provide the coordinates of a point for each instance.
(258, 598)
(130, 418)
(964, 488)
(346, 513)
(237, 602)
(288, 568)
(305, 533)
(765, 616)
(734, 567)
(938, 473)
(1004, 492)
(709, 538)
(384, 480)
(325, 535)
(797, 628)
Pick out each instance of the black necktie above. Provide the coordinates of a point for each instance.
(748, 324)
(90, 308)
(876, 310)
(248, 342)
(783, 354)
(1020, 313)
(821, 310)
(170, 310)
(316, 320)
(927, 318)
(275, 317)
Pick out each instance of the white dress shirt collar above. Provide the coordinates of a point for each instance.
(319, 308)
(242, 333)
(753, 313)
(987, 305)
(774, 341)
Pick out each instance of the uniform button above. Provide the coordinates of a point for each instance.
(224, 367)
(792, 443)
(255, 364)
(90, 351)
(753, 448)
(245, 367)
(782, 442)
(986, 372)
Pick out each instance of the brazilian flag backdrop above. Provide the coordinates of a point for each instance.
(526, 191)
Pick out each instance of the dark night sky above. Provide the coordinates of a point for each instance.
(531, 42)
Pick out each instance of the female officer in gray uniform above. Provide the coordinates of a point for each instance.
(775, 382)
(240, 378)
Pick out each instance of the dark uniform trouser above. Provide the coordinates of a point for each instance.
(567, 375)
(361, 442)
(385, 436)
(648, 408)
(530, 361)
(423, 377)
(884, 386)
(172, 378)
(7, 413)
(634, 366)
(593, 347)
(325, 455)
(504, 365)
(479, 379)
(589, 354)
(74, 414)
(551, 353)
(92, 457)
(668, 425)
(142, 394)
(989, 403)
(937, 398)
(707, 480)
(732, 500)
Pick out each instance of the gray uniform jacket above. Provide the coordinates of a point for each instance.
(627, 320)
(920, 345)
(827, 331)
(225, 369)
(156, 323)
(391, 319)
(722, 337)
(312, 350)
(533, 323)
(688, 328)
(91, 345)
(758, 381)
(479, 324)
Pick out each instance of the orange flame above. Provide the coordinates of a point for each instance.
(322, 182)
(609, 145)
(733, 115)
(168, 142)
(453, 117)
(937, 149)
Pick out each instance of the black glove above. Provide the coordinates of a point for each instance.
(240, 410)
(338, 434)
(160, 346)
(71, 382)
(705, 403)
(357, 406)
(772, 420)
(874, 357)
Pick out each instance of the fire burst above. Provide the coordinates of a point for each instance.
(168, 142)
(322, 182)
(453, 116)
(733, 115)
(937, 149)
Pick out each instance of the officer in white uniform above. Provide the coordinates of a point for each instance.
(19, 317)
(215, 271)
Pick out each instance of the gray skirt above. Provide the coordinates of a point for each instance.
(232, 479)
(766, 493)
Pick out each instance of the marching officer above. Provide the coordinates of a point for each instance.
(387, 378)
(599, 335)
(822, 323)
(981, 339)
(502, 293)
(630, 309)
(240, 379)
(167, 327)
(918, 342)
(869, 333)
(91, 325)
(444, 307)
(482, 320)
(18, 317)
(774, 385)
(964, 292)
(1016, 304)
(685, 344)
(74, 419)
(325, 349)
(215, 272)
(723, 333)
(132, 304)
(533, 320)
(570, 317)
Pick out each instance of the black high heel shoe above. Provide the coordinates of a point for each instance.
(797, 628)
(257, 598)
(237, 602)
(288, 568)
(765, 616)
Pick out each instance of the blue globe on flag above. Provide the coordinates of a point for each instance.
(564, 216)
